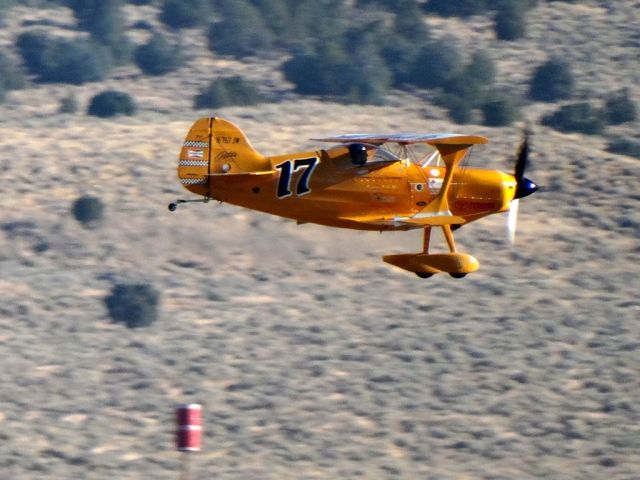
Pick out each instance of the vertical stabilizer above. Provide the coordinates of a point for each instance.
(215, 146)
(231, 151)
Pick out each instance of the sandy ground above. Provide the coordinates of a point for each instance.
(312, 358)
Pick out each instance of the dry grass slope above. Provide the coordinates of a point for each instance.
(312, 358)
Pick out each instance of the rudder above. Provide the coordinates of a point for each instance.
(193, 163)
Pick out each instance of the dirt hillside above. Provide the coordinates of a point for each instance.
(312, 358)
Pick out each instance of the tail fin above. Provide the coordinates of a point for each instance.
(214, 145)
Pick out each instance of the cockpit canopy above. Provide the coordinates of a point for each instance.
(363, 153)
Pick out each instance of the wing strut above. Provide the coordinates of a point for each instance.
(437, 211)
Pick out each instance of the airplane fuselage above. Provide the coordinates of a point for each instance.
(324, 187)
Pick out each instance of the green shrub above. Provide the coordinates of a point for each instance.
(329, 71)
(460, 8)
(228, 91)
(303, 29)
(11, 75)
(509, 21)
(111, 103)
(435, 65)
(4, 5)
(104, 20)
(367, 78)
(620, 108)
(241, 32)
(499, 109)
(551, 81)
(277, 18)
(579, 117)
(391, 5)
(184, 13)
(409, 23)
(465, 8)
(53, 60)
(318, 73)
(399, 46)
(134, 304)
(624, 146)
(88, 210)
(69, 104)
(459, 109)
(472, 82)
(158, 56)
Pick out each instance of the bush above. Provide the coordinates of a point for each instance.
(60, 60)
(391, 5)
(460, 8)
(624, 146)
(367, 78)
(435, 65)
(228, 91)
(4, 5)
(241, 33)
(110, 103)
(474, 79)
(158, 56)
(184, 13)
(499, 110)
(69, 104)
(509, 22)
(318, 73)
(551, 81)
(277, 18)
(104, 20)
(459, 109)
(11, 75)
(329, 71)
(88, 210)
(578, 117)
(399, 46)
(303, 30)
(620, 108)
(134, 304)
(409, 23)
(473, 88)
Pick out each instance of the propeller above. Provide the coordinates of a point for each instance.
(524, 187)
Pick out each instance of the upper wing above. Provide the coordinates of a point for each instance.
(406, 138)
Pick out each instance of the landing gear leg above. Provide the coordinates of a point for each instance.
(425, 250)
(446, 229)
(426, 239)
(448, 235)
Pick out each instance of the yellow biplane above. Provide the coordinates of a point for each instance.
(365, 182)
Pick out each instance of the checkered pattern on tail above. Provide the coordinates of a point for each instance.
(193, 163)
(190, 143)
(193, 181)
